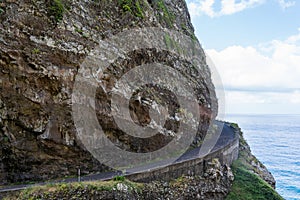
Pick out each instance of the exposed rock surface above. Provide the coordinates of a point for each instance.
(42, 44)
(215, 184)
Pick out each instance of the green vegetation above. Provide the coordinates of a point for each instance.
(168, 17)
(57, 9)
(173, 45)
(35, 51)
(71, 190)
(249, 186)
(133, 7)
(119, 178)
(168, 41)
(78, 30)
(192, 34)
(81, 32)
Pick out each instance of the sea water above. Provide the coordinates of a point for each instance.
(275, 141)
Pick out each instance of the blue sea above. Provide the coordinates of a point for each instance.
(275, 141)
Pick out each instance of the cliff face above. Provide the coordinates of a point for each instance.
(42, 45)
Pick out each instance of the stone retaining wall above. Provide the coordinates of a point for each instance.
(226, 155)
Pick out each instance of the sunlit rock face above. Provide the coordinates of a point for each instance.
(42, 46)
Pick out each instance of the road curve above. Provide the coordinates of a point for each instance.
(227, 135)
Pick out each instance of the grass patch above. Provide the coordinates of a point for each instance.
(133, 7)
(119, 178)
(167, 16)
(249, 186)
(70, 190)
(57, 9)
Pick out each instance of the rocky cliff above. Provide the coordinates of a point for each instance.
(42, 46)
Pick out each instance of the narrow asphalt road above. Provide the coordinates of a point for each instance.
(227, 134)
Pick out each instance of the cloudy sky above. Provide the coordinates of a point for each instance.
(255, 46)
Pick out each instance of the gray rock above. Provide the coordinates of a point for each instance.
(41, 50)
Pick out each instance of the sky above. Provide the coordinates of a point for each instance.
(255, 47)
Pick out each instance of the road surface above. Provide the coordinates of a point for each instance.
(226, 136)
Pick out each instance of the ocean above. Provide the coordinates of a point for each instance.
(275, 141)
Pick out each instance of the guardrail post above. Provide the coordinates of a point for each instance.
(79, 175)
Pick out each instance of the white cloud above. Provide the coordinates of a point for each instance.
(286, 4)
(294, 38)
(203, 6)
(252, 78)
(228, 7)
(231, 6)
(248, 68)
